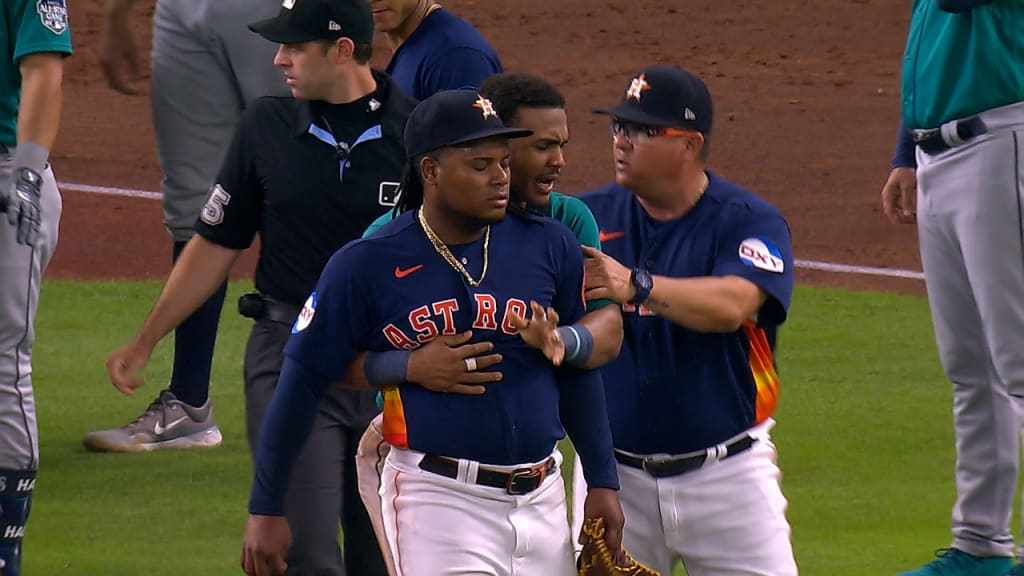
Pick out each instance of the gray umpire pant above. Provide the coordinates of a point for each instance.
(207, 67)
(21, 273)
(970, 213)
(323, 489)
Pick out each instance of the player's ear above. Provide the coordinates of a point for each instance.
(693, 145)
(428, 169)
(346, 48)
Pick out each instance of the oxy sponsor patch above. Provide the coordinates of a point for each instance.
(762, 254)
(305, 315)
(53, 14)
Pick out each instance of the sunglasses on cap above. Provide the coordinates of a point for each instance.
(629, 130)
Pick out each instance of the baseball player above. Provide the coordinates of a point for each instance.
(207, 68)
(471, 484)
(702, 269)
(37, 40)
(963, 132)
(535, 165)
(308, 174)
(434, 49)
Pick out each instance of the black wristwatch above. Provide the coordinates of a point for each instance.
(642, 282)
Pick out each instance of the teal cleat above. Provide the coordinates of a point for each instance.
(953, 562)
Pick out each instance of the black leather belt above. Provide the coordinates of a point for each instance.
(517, 482)
(674, 466)
(932, 142)
(262, 307)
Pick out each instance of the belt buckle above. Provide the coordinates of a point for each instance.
(653, 466)
(925, 135)
(539, 472)
(644, 462)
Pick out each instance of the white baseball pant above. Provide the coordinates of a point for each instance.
(439, 526)
(369, 466)
(726, 519)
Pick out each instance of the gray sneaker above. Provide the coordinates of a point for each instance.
(167, 423)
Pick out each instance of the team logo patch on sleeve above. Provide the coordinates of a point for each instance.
(53, 14)
(762, 254)
(305, 315)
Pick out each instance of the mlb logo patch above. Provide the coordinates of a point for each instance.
(53, 14)
(305, 315)
(760, 253)
(387, 194)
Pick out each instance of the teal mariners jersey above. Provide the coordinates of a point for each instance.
(27, 27)
(959, 64)
(566, 209)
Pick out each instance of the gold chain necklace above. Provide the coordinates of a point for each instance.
(442, 249)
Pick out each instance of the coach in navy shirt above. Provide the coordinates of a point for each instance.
(703, 270)
(434, 49)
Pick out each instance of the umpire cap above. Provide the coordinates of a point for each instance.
(453, 117)
(307, 20)
(665, 96)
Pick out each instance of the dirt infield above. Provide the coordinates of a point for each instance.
(806, 110)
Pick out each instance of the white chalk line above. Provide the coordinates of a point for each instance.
(109, 191)
(806, 264)
(851, 269)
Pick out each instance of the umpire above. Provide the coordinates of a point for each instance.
(309, 174)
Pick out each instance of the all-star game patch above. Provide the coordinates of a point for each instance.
(53, 14)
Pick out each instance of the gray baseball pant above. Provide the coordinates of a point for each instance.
(21, 273)
(970, 213)
(207, 67)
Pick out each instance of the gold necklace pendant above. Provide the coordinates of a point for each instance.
(441, 248)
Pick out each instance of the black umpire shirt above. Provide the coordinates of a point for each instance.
(309, 177)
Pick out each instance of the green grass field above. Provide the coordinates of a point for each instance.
(863, 431)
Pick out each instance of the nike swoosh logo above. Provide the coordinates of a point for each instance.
(606, 236)
(399, 273)
(160, 430)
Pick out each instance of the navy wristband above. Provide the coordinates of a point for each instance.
(386, 368)
(904, 155)
(578, 342)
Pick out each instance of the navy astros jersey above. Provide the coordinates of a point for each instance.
(401, 288)
(673, 390)
(444, 53)
(394, 291)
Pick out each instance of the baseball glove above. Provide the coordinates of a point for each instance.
(596, 559)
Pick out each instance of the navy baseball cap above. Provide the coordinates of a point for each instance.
(453, 117)
(665, 96)
(307, 20)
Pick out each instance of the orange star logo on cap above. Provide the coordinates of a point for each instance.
(637, 87)
(485, 105)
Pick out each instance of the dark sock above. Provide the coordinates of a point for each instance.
(15, 502)
(194, 341)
